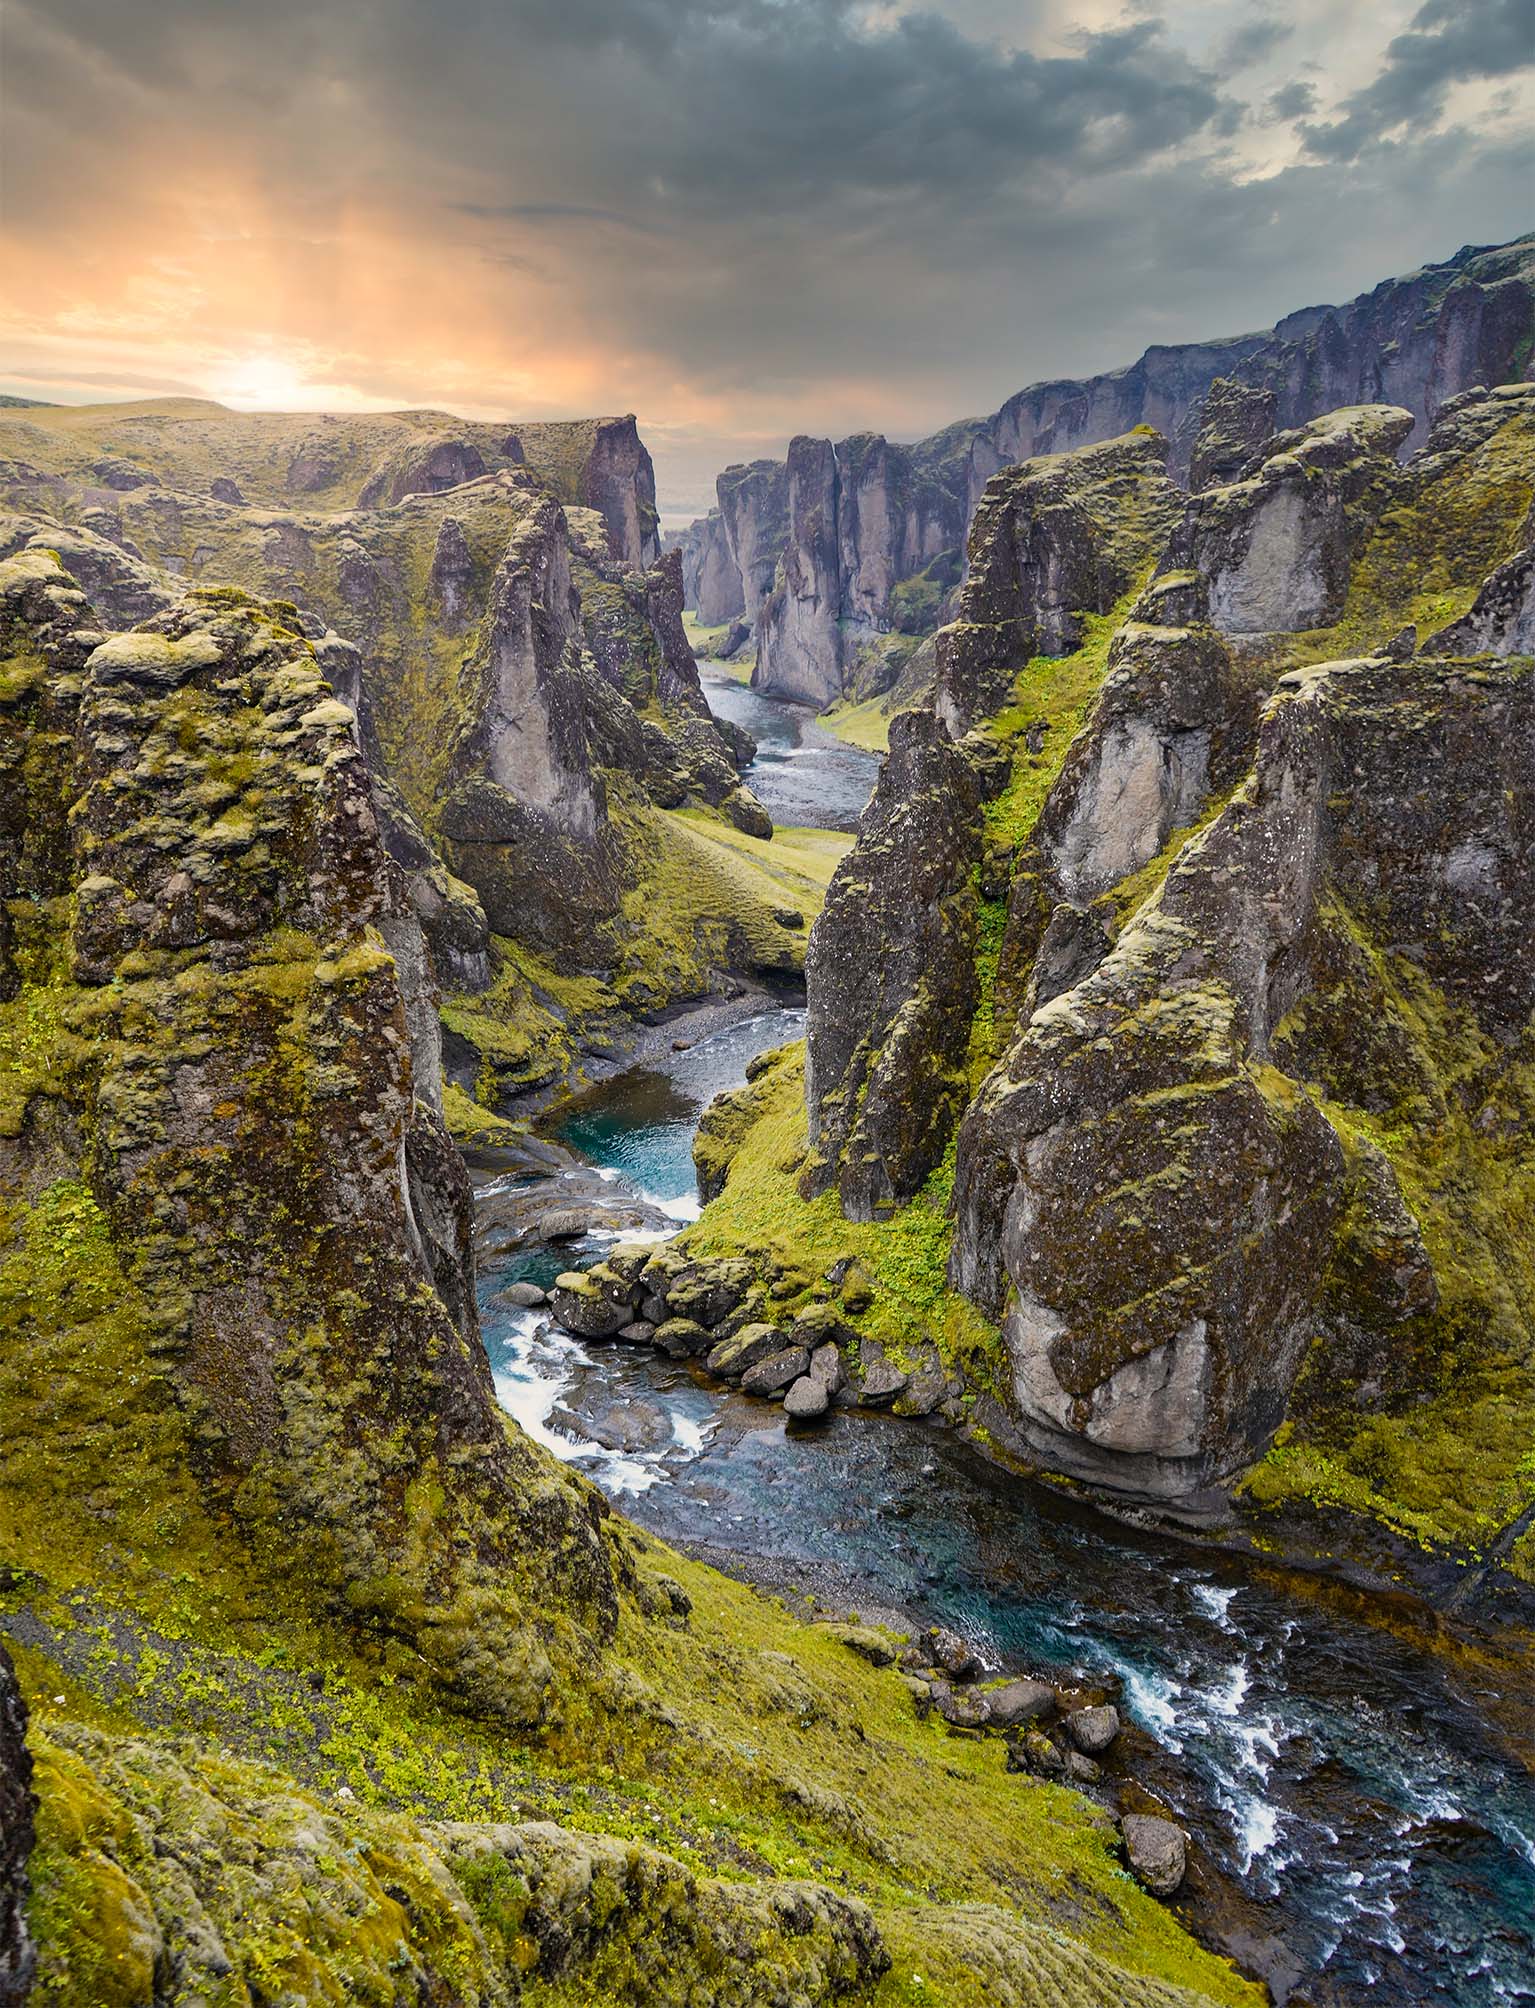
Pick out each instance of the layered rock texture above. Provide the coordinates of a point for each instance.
(491, 603)
(18, 1809)
(320, 1681)
(845, 552)
(1238, 990)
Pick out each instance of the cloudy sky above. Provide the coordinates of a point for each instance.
(738, 218)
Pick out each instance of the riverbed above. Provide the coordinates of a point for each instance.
(803, 775)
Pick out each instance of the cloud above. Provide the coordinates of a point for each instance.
(1449, 42)
(739, 218)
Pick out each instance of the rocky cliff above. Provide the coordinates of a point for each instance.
(1240, 1177)
(337, 1687)
(896, 516)
(527, 701)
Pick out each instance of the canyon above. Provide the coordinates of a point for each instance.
(1105, 1148)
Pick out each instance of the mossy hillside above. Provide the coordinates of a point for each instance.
(865, 725)
(744, 1746)
(704, 897)
(527, 1029)
(323, 459)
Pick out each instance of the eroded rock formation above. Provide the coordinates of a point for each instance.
(897, 514)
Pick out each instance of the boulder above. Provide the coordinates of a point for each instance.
(1156, 1851)
(753, 1343)
(581, 1305)
(1034, 1752)
(879, 1383)
(524, 1296)
(1093, 1729)
(961, 1707)
(806, 1400)
(1020, 1700)
(954, 1654)
(864, 1640)
(640, 1333)
(680, 1338)
(777, 1371)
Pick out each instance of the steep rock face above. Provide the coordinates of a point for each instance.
(711, 578)
(1172, 728)
(619, 482)
(1414, 342)
(1276, 548)
(1156, 1332)
(17, 1808)
(207, 907)
(1052, 540)
(1235, 421)
(891, 978)
(754, 508)
(799, 651)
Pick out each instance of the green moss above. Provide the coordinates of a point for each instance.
(1441, 1452)
(761, 1214)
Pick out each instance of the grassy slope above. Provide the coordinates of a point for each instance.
(201, 1730)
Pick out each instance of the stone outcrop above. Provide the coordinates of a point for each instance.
(754, 508)
(17, 1810)
(1155, 1335)
(1235, 421)
(1415, 342)
(1053, 539)
(207, 898)
(1275, 549)
(1172, 729)
(891, 978)
(711, 578)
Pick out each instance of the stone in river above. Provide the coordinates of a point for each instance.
(1093, 1729)
(807, 1399)
(1156, 1851)
(640, 1333)
(776, 1371)
(523, 1296)
(752, 1343)
(582, 1307)
(679, 1338)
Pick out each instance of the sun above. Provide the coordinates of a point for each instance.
(263, 382)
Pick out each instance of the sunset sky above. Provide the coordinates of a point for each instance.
(737, 218)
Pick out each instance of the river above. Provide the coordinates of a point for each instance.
(804, 776)
(1373, 1836)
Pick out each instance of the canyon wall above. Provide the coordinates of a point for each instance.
(871, 548)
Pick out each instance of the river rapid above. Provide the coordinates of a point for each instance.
(1371, 1836)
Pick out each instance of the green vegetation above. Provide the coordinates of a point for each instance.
(762, 1214)
(865, 725)
(705, 896)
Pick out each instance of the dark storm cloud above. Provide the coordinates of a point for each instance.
(1449, 42)
(819, 212)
